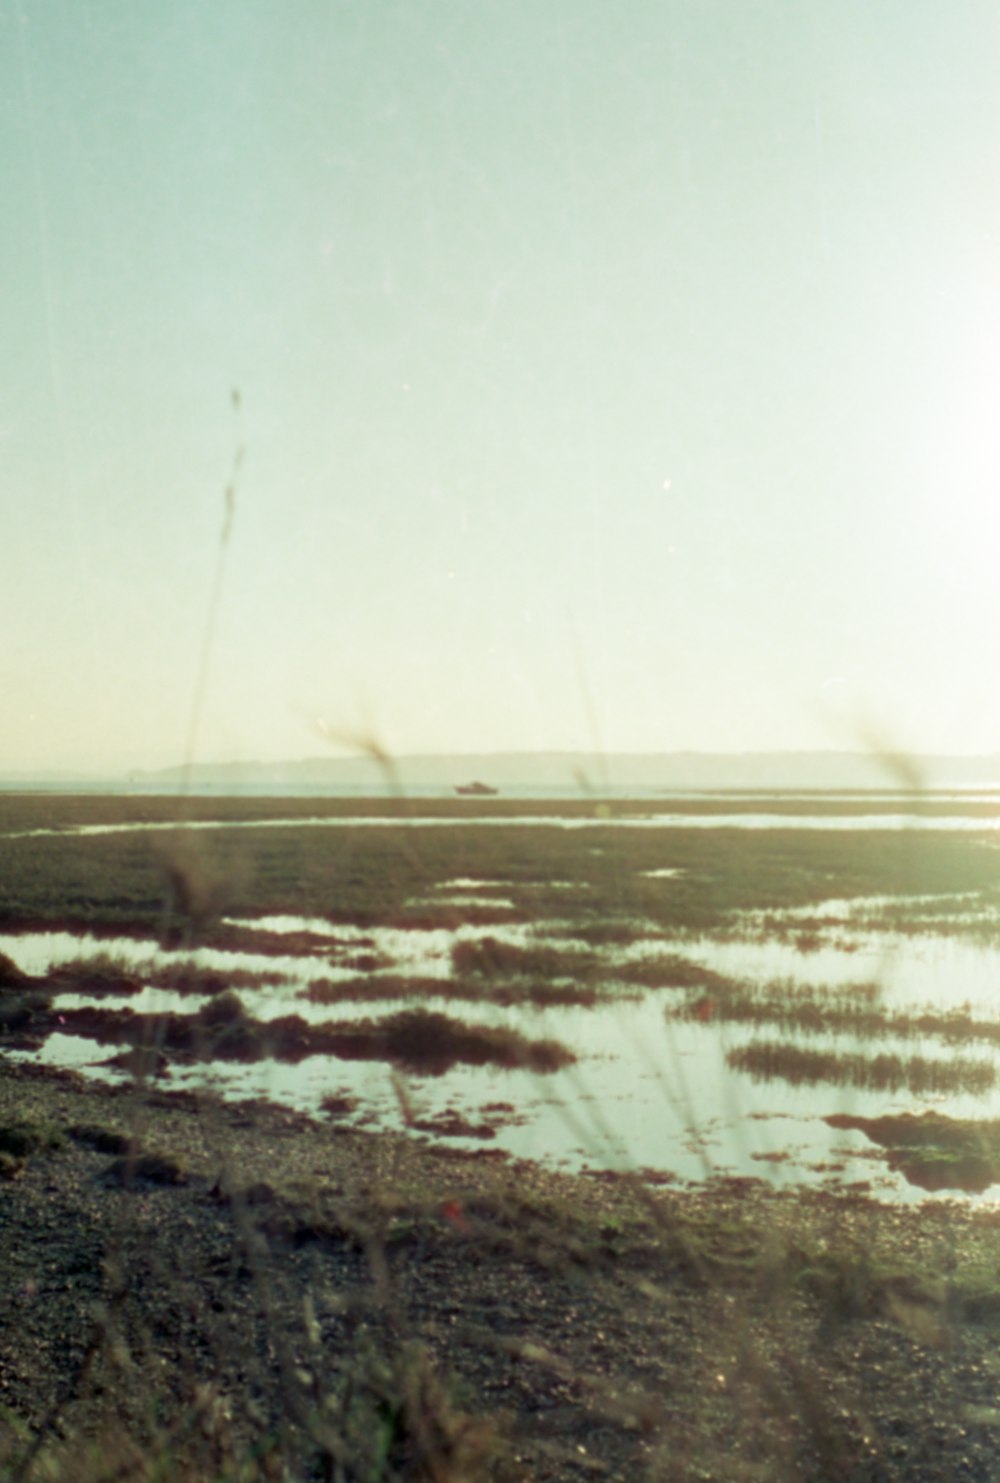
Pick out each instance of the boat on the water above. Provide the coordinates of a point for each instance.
(476, 790)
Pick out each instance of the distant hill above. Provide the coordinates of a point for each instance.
(591, 772)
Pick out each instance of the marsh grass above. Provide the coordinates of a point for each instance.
(847, 1009)
(507, 993)
(102, 973)
(222, 1030)
(770, 1060)
(490, 957)
(359, 875)
(932, 1151)
(671, 971)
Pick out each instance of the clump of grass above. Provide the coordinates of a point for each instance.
(97, 974)
(672, 971)
(432, 1043)
(416, 1039)
(452, 1124)
(603, 933)
(22, 1139)
(850, 1283)
(365, 990)
(808, 1008)
(221, 1029)
(100, 964)
(144, 1062)
(189, 978)
(931, 1151)
(12, 977)
(145, 1168)
(812, 1009)
(540, 993)
(337, 1104)
(24, 1012)
(489, 957)
(101, 1139)
(243, 937)
(399, 1419)
(768, 1060)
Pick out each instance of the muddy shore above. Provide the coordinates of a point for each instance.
(211, 1283)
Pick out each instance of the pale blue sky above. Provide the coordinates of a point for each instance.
(619, 376)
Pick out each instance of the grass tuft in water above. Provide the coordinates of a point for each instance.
(770, 1060)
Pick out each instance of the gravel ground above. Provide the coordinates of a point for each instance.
(208, 1282)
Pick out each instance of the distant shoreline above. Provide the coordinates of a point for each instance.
(581, 775)
(685, 798)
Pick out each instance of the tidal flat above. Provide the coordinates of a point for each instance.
(589, 1013)
(619, 987)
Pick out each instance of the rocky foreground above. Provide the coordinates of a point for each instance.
(235, 1291)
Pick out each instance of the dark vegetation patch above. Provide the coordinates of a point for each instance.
(671, 971)
(365, 962)
(769, 1060)
(222, 1030)
(243, 937)
(453, 1124)
(135, 1168)
(24, 1139)
(363, 990)
(539, 993)
(489, 957)
(12, 977)
(100, 975)
(144, 1062)
(433, 1043)
(602, 933)
(188, 978)
(24, 1013)
(846, 1009)
(792, 1006)
(934, 1152)
(99, 1138)
(21, 1139)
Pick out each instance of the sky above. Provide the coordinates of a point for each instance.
(582, 376)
